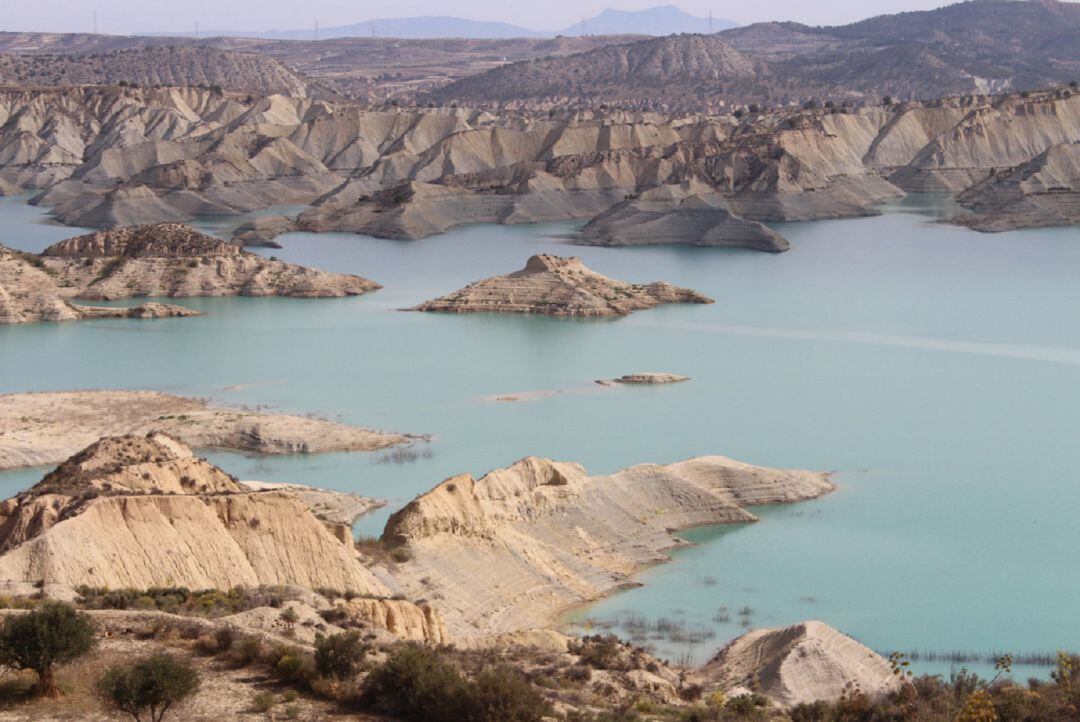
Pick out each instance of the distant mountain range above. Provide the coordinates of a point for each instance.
(659, 20)
(975, 47)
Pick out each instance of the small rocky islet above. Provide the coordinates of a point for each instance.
(557, 286)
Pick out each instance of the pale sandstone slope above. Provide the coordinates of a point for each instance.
(142, 511)
(515, 548)
(803, 663)
(554, 286)
(47, 427)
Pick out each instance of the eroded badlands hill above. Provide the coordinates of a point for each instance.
(554, 286)
(140, 512)
(175, 260)
(514, 548)
(799, 664)
(410, 174)
(43, 428)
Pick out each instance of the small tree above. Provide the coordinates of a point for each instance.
(51, 635)
(339, 655)
(148, 688)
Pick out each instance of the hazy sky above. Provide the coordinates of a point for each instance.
(127, 16)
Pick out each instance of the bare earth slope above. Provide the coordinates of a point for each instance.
(518, 546)
(37, 429)
(554, 286)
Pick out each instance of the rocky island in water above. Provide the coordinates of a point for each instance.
(555, 286)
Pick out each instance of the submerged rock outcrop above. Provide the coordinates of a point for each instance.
(43, 428)
(175, 260)
(803, 663)
(514, 548)
(556, 286)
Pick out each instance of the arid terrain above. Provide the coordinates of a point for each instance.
(465, 598)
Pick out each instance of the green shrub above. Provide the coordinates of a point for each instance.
(262, 702)
(291, 668)
(39, 640)
(339, 655)
(415, 683)
(150, 687)
(503, 695)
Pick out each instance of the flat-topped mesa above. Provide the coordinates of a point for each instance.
(140, 512)
(149, 240)
(801, 664)
(557, 286)
(175, 260)
(516, 547)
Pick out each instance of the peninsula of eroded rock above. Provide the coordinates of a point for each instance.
(43, 428)
(555, 286)
(518, 546)
(175, 260)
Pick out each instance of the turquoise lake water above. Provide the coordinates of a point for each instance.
(934, 369)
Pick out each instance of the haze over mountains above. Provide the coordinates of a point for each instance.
(659, 20)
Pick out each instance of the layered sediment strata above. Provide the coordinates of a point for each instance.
(106, 157)
(804, 663)
(518, 546)
(555, 286)
(43, 428)
(175, 260)
(1040, 193)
